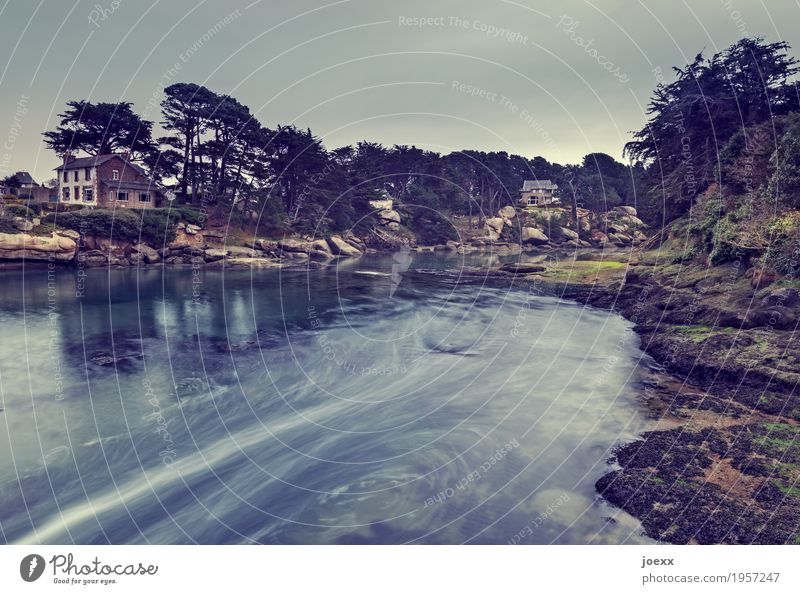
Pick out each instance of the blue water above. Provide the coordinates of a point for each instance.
(345, 405)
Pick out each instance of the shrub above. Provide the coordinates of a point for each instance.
(19, 210)
(7, 225)
(155, 226)
(191, 215)
(431, 227)
(159, 226)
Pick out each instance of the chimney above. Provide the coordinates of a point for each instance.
(68, 158)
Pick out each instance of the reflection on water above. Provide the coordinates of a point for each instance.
(345, 405)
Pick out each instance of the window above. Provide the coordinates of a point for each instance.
(65, 194)
(87, 174)
(75, 175)
(533, 200)
(88, 194)
(115, 174)
(66, 175)
(144, 196)
(77, 193)
(122, 195)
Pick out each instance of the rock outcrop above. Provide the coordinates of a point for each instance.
(17, 246)
(533, 235)
(342, 248)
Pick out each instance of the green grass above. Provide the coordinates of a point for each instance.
(788, 490)
(699, 333)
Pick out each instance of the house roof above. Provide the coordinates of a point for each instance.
(538, 184)
(25, 178)
(82, 162)
(131, 185)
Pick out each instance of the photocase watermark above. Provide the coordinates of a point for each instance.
(457, 22)
(169, 453)
(473, 476)
(539, 520)
(736, 17)
(508, 105)
(100, 14)
(53, 334)
(569, 26)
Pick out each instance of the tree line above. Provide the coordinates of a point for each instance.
(214, 152)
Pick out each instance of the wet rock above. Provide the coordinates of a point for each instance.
(150, 255)
(341, 248)
(293, 245)
(92, 258)
(242, 252)
(213, 254)
(239, 262)
(522, 267)
(533, 235)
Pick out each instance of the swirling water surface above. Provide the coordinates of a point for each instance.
(370, 402)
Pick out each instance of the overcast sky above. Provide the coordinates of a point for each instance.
(553, 78)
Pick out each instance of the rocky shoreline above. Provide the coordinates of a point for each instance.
(723, 462)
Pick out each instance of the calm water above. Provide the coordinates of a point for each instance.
(335, 406)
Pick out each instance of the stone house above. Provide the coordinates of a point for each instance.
(106, 181)
(538, 193)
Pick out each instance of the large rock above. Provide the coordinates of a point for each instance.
(599, 237)
(389, 216)
(507, 212)
(341, 248)
(293, 245)
(320, 245)
(632, 222)
(569, 234)
(23, 224)
(149, 254)
(533, 235)
(619, 239)
(242, 252)
(265, 245)
(320, 254)
(93, 258)
(625, 210)
(496, 224)
(15, 246)
(244, 263)
(214, 254)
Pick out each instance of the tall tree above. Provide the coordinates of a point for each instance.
(101, 128)
(693, 117)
